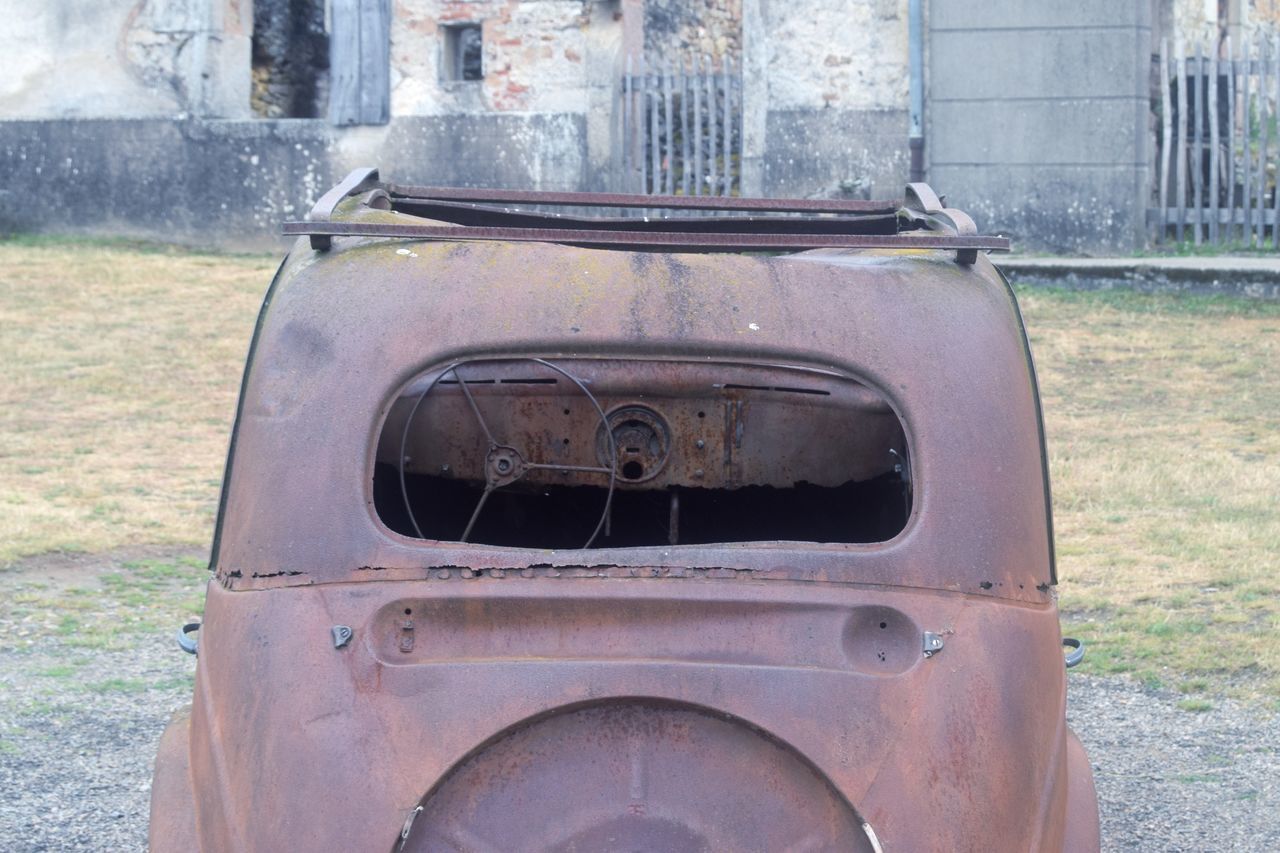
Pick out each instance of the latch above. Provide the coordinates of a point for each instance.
(406, 634)
(932, 644)
(407, 828)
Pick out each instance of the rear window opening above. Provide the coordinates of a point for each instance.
(574, 453)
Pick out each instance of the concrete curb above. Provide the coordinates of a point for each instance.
(1253, 278)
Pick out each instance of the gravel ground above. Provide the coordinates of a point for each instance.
(80, 720)
(75, 774)
(1170, 779)
(89, 675)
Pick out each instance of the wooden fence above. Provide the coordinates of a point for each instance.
(1219, 145)
(681, 129)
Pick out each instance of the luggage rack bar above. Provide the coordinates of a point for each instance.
(631, 200)
(744, 224)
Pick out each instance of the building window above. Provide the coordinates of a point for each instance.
(463, 53)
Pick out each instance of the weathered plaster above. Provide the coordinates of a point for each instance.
(124, 58)
(825, 85)
(61, 61)
(838, 54)
(534, 52)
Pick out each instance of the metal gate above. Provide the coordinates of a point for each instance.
(681, 129)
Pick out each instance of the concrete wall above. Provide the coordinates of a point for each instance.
(231, 183)
(1037, 119)
(826, 84)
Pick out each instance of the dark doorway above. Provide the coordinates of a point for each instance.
(290, 59)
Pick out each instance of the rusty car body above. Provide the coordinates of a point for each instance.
(725, 529)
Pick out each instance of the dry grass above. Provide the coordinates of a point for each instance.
(1163, 420)
(121, 368)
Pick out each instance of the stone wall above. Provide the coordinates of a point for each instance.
(837, 54)
(290, 59)
(1210, 22)
(143, 58)
(1036, 112)
(1193, 20)
(535, 54)
(680, 31)
(827, 83)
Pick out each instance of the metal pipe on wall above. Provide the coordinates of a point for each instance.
(915, 63)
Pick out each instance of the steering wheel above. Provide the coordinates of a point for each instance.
(505, 464)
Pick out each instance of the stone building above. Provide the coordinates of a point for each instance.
(213, 120)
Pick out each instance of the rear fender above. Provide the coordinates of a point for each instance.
(173, 814)
(1082, 833)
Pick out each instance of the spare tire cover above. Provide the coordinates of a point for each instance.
(633, 776)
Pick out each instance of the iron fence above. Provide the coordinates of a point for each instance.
(681, 128)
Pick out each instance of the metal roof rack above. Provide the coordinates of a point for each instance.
(920, 221)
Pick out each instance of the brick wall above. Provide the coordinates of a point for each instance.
(534, 53)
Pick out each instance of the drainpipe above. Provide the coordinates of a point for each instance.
(915, 66)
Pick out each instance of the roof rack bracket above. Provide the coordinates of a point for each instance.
(356, 182)
(923, 205)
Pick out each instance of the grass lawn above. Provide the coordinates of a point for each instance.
(1163, 421)
(121, 367)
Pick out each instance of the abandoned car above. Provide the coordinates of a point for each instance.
(546, 527)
